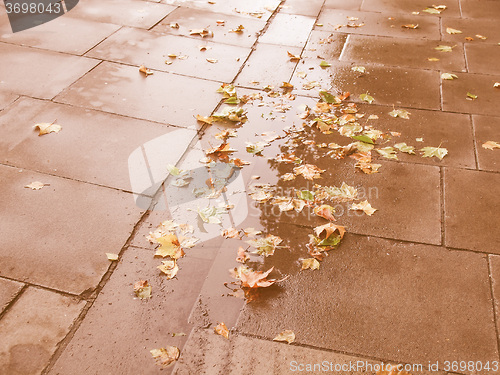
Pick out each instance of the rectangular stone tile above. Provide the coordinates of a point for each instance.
(402, 53)
(6, 98)
(484, 9)
(311, 8)
(50, 75)
(380, 24)
(8, 291)
(137, 47)
(268, 65)
(399, 301)
(387, 85)
(483, 58)
(161, 97)
(143, 325)
(111, 149)
(206, 352)
(190, 19)
(472, 223)
(470, 28)
(455, 91)
(67, 228)
(142, 14)
(53, 35)
(288, 30)
(32, 329)
(487, 129)
(409, 6)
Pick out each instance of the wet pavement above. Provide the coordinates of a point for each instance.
(415, 283)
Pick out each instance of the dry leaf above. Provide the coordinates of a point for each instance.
(310, 263)
(293, 57)
(169, 268)
(174, 25)
(448, 76)
(230, 233)
(165, 356)
(142, 289)
(496, 85)
(325, 211)
(112, 256)
(238, 30)
(201, 32)
(222, 330)
(329, 229)
(410, 26)
(145, 70)
(169, 247)
(242, 255)
(206, 120)
(490, 145)
(212, 61)
(449, 30)
(265, 246)
(253, 279)
(365, 207)
(287, 336)
(251, 232)
(46, 128)
(434, 151)
(308, 171)
(36, 185)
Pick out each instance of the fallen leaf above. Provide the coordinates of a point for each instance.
(230, 233)
(265, 246)
(145, 70)
(211, 215)
(410, 26)
(165, 356)
(46, 128)
(205, 120)
(112, 256)
(308, 171)
(324, 64)
(310, 263)
(442, 48)
(481, 37)
(169, 247)
(212, 61)
(242, 255)
(220, 22)
(450, 30)
(201, 32)
(174, 25)
(388, 153)
(287, 336)
(222, 330)
(367, 98)
(325, 211)
(36, 185)
(403, 147)
(169, 268)
(490, 145)
(432, 59)
(238, 30)
(345, 193)
(142, 289)
(188, 242)
(329, 229)
(448, 76)
(403, 113)
(496, 85)
(253, 279)
(301, 75)
(471, 96)
(293, 57)
(359, 69)
(365, 207)
(434, 151)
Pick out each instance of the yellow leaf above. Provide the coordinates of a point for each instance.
(206, 120)
(112, 256)
(169, 268)
(145, 70)
(222, 330)
(165, 356)
(490, 145)
(365, 207)
(286, 336)
(46, 128)
(410, 26)
(449, 30)
(293, 57)
(169, 246)
(432, 59)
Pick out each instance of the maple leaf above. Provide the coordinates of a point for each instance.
(325, 211)
(242, 255)
(254, 279)
(434, 151)
(403, 147)
(46, 128)
(308, 171)
(169, 268)
(145, 71)
(142, 289)
(287, 336)
(211, 214)
(448, 76)
(388, 153)
(231, 114)
(403, 113)
(344, 193)
(222, 330)
(169, 247)
(329, 229)
(367, 98)
(230, 233)
(165, 356)
(265, 246)
(490, 145)
(112, 256)
(365, 207)
(310, 263)
(36, 185)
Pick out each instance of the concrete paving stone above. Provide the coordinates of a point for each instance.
(387, 85)
(161, 97)
(50, 75)
(470, 28)
(137, 47)
(402, 53)
(288, 30)
(472, 223)
(107, 145)
(189, 19)
(56, 250)
(484, 9)
(134, 13)
(409, 6)
(398, 301)
(483, 58)
(248, 355)
(131, 327)
(6, 98)
(486, 129)
(9, 289)
(340, 4)
(380, 24)
(260, 9)
(32, 329)
(85, 34)
(268, 65)
(326, 44)
(455, 91)
(311, 8)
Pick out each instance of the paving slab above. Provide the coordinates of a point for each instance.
(455, 99)
(190, 19)
(132, 327)
(482, 58)
(107, 144)
(311, 8)
(135, 13)
(141, 47)
(268, 65)
(52, 73)
(470, 28)
(9, 289)
(471, 223)
(85, 34)
(326, 44)
(161, 97)
(6, 98)
(56, 251)
(288, 30)
(32, 328)
(406, 298)
(409, 6)
(402, 52)
(486, 129)
(484, 9)
(379, 24)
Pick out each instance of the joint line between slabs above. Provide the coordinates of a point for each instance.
(494, 308)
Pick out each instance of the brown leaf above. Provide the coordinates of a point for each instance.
(222, 330)
(206, 120)
(242, 255)
(308, 171)
(165, 356)
(145, 70)
(329, 228)
(325, 211)
(293, 57)
(169, 247)
(365, 207)
(410, 26)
